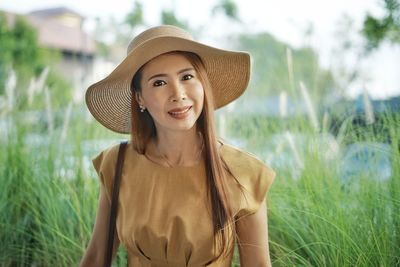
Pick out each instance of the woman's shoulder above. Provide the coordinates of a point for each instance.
(110, 151)
(108, 154)
(104, 163)
(246, 168)
(253, 176)
(236, 157)
(106, 159)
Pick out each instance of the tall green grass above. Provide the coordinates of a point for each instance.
(318, 221)
(48, 199)
(44, 217)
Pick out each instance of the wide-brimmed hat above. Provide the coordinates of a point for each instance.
(110, 100)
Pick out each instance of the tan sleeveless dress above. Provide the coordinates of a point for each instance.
(164, 215)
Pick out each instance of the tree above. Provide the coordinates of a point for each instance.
(228, 8)
(169, 17)
(270, 67)
(135, 17)
(21, 52)
(376, 30)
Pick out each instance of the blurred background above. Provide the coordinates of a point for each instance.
(322, 109)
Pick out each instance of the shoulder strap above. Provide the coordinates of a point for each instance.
(114, 204)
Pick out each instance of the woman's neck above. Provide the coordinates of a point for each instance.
(178, 148)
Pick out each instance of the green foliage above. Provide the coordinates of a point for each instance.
(61, 93)
(26, 48)
(135, 16)
(102, 49)
(6, 48)
(317, 219)
(376, 30)
(44, 215)
(48, 199)
(270, 70)
(169, 17)
(228, 8)
(318, 222)
(21, 52)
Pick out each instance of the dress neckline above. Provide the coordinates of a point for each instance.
(177, 167)
(198, 164)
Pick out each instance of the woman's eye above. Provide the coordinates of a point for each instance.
(159, 83)
(187, 77)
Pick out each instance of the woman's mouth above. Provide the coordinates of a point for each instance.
(179, 113)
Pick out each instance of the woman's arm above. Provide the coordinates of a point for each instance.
(94, 255)
(252, 232)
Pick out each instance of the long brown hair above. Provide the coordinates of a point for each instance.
(143, 129)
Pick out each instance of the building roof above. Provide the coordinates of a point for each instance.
(50, 12)
(55, 34)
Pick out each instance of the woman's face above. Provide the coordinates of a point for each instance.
(171, 92)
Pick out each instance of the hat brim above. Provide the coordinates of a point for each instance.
(109, 100)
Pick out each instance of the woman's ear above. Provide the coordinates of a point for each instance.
(139, 99)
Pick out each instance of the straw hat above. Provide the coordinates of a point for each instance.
(109, 100)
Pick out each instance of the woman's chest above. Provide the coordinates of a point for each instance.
(166, 218)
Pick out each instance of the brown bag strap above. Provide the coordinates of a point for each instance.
(114, 204)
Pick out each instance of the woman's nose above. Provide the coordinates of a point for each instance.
(178, 92)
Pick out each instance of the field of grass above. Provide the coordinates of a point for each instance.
(318, 214)
(48, 193)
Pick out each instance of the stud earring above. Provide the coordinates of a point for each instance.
(142, 108)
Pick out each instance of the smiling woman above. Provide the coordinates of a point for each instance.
(171, 91)
(185, 197)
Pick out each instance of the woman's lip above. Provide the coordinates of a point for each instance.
(180, 110)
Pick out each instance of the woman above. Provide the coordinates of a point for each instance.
(185, 197)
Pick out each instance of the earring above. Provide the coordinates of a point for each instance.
(142, 108)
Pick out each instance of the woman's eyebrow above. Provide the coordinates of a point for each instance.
(157, 75)
(165, 75)
(184, 70)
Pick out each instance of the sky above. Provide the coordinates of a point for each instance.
(287, 20)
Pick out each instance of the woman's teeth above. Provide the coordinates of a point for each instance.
(179, 112)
